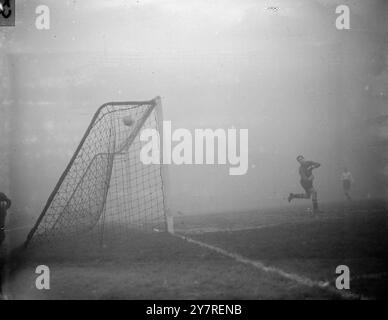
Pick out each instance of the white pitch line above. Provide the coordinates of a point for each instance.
(263, 226)
(213, 230)
(261, 266)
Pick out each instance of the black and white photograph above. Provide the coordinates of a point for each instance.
(193, 155)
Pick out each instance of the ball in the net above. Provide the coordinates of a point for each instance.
(128, 121)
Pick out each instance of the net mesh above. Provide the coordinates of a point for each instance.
(106, 190)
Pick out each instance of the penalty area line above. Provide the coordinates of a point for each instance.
(302, 280)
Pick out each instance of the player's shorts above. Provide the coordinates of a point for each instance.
(346, 184)
(307, 185)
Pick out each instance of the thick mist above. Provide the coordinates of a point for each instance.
(288, 75)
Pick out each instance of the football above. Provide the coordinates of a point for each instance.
(128, 121)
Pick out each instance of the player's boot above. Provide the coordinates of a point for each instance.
(290, 197)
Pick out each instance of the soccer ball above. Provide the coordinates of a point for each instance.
(128, 121)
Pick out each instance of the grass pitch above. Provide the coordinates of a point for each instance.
(161, 266)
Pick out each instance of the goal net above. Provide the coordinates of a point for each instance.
(106, 190)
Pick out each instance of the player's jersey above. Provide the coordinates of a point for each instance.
(346, 176)
(306, 169)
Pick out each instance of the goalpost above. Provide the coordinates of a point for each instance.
(106, 190)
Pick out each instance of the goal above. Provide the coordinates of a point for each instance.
(105, 189)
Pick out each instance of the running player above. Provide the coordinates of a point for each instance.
(347, 180)
(306, 180)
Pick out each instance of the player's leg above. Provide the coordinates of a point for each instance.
(292, 196)
(298, 196)
(344, 189)
(347, 189)
(306, 185)
(314, 198)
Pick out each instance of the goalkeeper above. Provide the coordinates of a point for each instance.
(306, 180)
(5, 204)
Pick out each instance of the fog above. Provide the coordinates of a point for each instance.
(280, 69)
